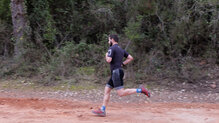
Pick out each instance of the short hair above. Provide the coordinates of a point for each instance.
(115, 37)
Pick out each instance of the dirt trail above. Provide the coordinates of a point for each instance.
(33, 110)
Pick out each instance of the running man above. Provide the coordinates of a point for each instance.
(115, 56)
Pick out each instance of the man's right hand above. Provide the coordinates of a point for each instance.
(128, 59)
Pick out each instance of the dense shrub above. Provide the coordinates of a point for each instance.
(165, 37)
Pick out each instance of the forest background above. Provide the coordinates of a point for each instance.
(53, 41)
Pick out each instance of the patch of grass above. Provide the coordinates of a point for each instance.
(72, 87)
(76, 88)
(17, 84)
(86, 70)
(65, 85)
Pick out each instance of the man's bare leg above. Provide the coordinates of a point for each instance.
(124, 92)
(120, 92)
(106, 97)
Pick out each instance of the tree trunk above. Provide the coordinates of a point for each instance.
(20, 26)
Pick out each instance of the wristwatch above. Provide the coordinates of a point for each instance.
(123, 64)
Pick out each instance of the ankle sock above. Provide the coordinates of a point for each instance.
(103, 108)
(138, 90)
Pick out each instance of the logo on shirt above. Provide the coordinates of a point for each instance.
(109, 52)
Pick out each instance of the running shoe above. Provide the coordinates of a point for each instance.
(145, 91)
(99, 112)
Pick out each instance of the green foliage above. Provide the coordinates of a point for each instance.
(5, 29)
(86, 70)
(66, 60)
(133, 30)
(5, 42)
(5, 13)
(42, 21)
(71, 35)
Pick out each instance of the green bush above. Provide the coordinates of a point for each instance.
(70, 36)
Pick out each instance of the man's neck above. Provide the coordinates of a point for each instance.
(115, 43)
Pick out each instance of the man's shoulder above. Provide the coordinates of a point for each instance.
(116, 48)
(113, 47)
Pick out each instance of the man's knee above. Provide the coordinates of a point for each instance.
(121, 94)
(107, 90)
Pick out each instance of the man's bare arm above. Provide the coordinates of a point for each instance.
(128, 60)
(108, 59)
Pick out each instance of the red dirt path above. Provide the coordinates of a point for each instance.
(31, 110)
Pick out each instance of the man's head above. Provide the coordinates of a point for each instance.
(113, 39)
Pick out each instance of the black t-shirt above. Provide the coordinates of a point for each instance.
(117, 54)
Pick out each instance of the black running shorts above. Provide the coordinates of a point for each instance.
(116, 79)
